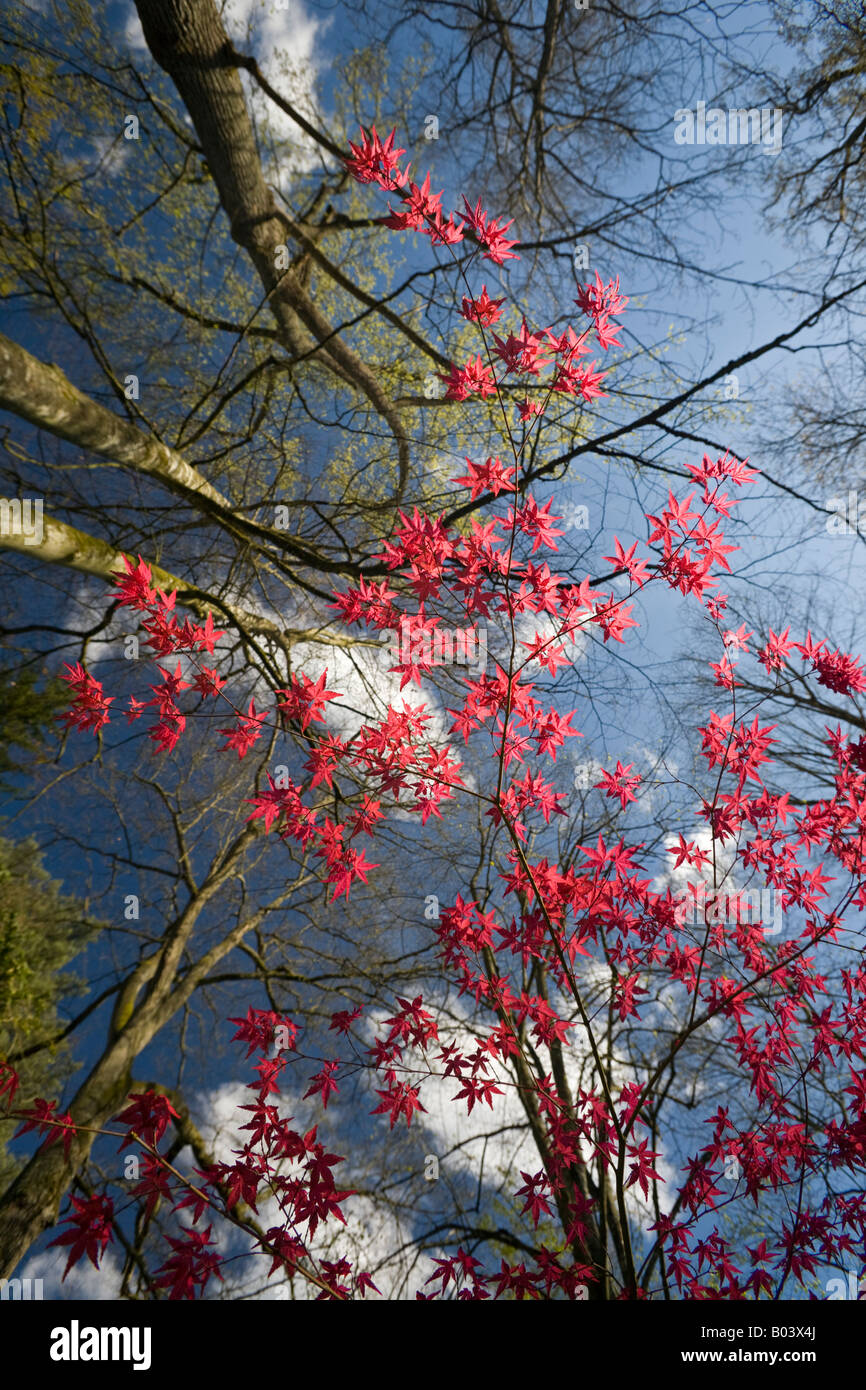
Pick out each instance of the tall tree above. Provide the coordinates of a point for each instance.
(247, 393)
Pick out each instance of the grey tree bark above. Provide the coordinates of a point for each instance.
(188, 40)
(32, 1202)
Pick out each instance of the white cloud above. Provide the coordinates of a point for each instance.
(82, 1282)
(286, 41)
(134, 34)
(679, 877)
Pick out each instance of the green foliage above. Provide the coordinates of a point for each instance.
(41, 930)
(25, 711)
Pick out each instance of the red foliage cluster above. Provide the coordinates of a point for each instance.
(560, 910)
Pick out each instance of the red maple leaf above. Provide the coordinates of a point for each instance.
(91, 1228)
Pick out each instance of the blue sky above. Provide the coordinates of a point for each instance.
(710, 321)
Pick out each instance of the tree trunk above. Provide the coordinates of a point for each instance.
(187, 38)
(40, 393)
(31, 1203)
